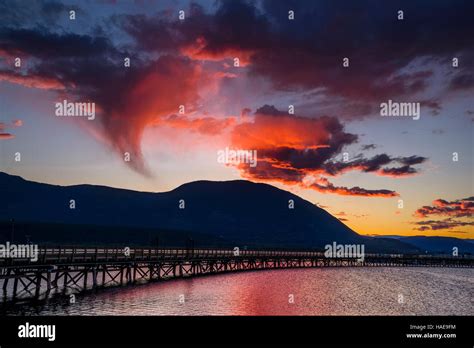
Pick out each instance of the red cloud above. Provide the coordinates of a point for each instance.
(295, 151)
(273, 131)
(4, 136)
(199, 50)
(445, 224)
(205, 125)
(458, 208)
(31, 81)
(3, 126)
(17, 123)
(158, 92)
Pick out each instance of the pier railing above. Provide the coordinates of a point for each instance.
(68, 270)
(73, 254)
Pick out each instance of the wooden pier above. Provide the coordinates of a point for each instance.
(67, 270)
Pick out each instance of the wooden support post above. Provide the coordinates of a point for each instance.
(38, 284)
(15, 286)
(48, 285)
(86, 271)
(56, 278)
(94, 275)
(104, 268)
(158, 271)
(129, 274)
(66, 274)
(5, 283)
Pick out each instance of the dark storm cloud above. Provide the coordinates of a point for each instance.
(412, 160)
(34, 12)
(369, 147)
(370, 34)
(302, 54)
(41, 43)
(375, 164)
(308, 51)
(461, 82)
(324, 186)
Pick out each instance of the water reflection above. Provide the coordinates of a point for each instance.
(335, 291)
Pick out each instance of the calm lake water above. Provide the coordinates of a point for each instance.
(327, 291)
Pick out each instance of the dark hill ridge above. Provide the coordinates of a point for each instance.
(239, 212)
(437, 244)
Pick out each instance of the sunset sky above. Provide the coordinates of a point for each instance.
(190, 61)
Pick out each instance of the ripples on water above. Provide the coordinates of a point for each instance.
(324, 291)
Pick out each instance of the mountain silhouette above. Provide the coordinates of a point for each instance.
(437, 244)
(237, 212)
